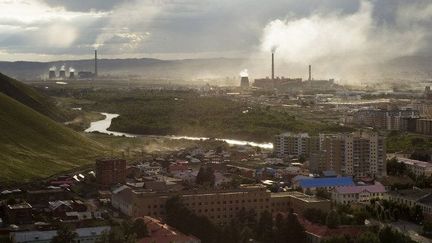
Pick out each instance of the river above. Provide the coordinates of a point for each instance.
(102, 126)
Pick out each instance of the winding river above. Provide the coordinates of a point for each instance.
(102, 126)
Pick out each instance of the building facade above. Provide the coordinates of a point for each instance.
(417, 167)
(219, 206)
(358, 194)
(298, 144)
(110, 171)
(356, 154)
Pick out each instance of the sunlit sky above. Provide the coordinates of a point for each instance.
(45, 30)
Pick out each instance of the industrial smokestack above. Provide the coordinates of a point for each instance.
(310, 72)
(272, 65)
(96, 67)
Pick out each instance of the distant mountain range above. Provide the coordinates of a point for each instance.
(145, 67)
(403, 67)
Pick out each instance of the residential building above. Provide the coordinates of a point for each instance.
(424, 126)
(88, 235)
(327, 183)
(20, 213)
(417, 167)
(357, 154)
(163, 233)
(383, 118)
(110, 171)
(298, 144)
(358, 193)
(219, 206)
(413, 197)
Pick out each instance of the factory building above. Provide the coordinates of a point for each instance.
(244, 82)
(294, 84)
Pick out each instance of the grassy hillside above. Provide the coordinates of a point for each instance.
(30, 97)
(34, 146)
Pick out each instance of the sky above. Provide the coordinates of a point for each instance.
(301, 31)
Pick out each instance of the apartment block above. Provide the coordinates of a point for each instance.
(110, 171)
(356, 154)
(297, 144)
(383, 118)
(424, 126)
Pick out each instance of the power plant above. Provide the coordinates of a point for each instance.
(293, 84)
(96, 64)
(62, 75)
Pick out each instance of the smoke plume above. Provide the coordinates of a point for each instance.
(340, 43)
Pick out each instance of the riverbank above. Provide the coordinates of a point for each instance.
(103, 125)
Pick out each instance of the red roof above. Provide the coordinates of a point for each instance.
(162, 233)
(323, 231)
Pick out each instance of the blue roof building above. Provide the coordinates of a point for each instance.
(325, 182)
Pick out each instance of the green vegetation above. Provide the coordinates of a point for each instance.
(127, 231)
(65, 234)
(408, 142)
(33, 146)
(30, 97)
(187, 113)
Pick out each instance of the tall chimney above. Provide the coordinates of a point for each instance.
(310, 72)
(272, 66)
(96, 67)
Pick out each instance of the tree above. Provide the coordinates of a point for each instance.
(335, 239)
(315, 215)
(368, 237)
(427, 227)
(332, 219)
(264, 229)
(140, 228)
(323, 193)
(206, 176)
(295, 232)
(386, 234)
(65, 234)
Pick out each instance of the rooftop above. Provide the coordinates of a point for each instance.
(326, 182)
(376, 188)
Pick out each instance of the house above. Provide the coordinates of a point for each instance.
(88, 235)
(163, 233)
(358, 194)
(20, 213)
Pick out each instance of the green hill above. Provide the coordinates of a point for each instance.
(30, 97)
(34, 146)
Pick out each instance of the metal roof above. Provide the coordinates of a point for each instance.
(326, 182)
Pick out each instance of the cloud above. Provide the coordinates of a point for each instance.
(342, 42)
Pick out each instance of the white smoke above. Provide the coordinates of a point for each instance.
(71, 70)
(63, 67)
(53, 68)
(244, 73)
(126, 25)
(339, 43)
